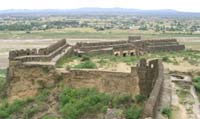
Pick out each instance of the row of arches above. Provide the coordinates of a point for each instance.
(125, 53)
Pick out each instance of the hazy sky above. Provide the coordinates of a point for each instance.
(181, 5)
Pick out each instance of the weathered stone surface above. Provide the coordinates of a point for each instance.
(133, 43)
(152, 103)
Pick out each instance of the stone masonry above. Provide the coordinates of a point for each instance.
(133, 46)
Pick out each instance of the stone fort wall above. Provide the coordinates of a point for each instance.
(42, 54)
(134, 44)
(151, 105)
(146, 78)
(26, 80)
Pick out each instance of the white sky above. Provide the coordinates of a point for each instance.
(181, 5)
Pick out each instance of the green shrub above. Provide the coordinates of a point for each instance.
(86, 65)
(76, 102)
(166, 59)
(43, 96)
(2, 80)
(167, 111)
(7, 109)
(85, 58)
(2, 86)
(30, 112)
(102, 62)
(121, 100)
(197, 79)
(134, 112)
(140, 98)
(197, 86)
(65, 59)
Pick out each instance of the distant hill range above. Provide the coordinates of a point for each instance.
(101, 11)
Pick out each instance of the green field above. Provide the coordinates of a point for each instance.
(86, 33)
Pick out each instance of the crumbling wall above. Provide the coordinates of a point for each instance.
(147, 73)
(52, 47)
(162, 45)
(43, 54)
(26, 80)
(151, 105)
(133, 43)
(23, 52)
(104, 81)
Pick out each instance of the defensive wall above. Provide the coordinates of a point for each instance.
(42, 54)
(151, 105)
(32, 70)
(135, 45)
(140, 80)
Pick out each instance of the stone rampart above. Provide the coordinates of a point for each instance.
(43, 54)
(104, 81)
(165, 48)
(26, 52)
(134, 38)
(51, 48)
(162, 45)
(33, 77)
(133, 43)
(151, 105)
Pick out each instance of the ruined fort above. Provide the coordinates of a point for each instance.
(32, 69)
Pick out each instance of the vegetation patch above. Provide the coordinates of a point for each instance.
(182, 94)
(167, 111)
(23, 108)
(2, 81)
(196, 82)
(7, 109)
(64, 60)
(133, 112)
(75, 103)
(86, 65)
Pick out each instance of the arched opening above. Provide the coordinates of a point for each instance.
(132, 53)
(124, 54)
(116, 54)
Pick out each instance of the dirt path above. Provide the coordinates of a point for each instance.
(196, 108)
(179, 111)
(185, 102)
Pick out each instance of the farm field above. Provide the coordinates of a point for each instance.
(88, 33)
